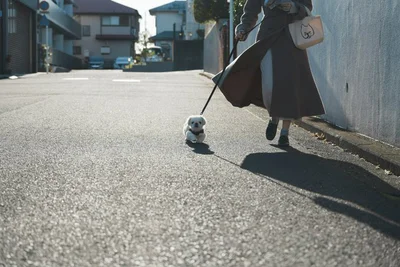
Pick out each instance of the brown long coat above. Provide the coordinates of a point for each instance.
(294, 93)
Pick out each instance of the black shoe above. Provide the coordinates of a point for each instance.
(271, 130)
(283, 140)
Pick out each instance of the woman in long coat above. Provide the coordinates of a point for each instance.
(273, 73)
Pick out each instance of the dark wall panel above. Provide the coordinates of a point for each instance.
(20, 38)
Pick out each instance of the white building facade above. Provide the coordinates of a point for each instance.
(109, 30)
(175, 21)
(192, 29)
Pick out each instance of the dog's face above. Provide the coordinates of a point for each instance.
(196, 123)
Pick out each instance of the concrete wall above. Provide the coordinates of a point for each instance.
(165, 21)
(213, 59)
(355, 68)
(58, 42)
(68, 45)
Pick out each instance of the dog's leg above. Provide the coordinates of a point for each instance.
(200, 138)
(191, 137)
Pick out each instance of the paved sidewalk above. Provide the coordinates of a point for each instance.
(385, 156)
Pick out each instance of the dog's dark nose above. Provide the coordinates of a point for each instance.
(196, 125)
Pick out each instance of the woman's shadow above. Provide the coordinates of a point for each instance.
(378, 202)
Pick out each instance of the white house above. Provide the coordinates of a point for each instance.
(109, 30)
(191, 27)
(174, 20)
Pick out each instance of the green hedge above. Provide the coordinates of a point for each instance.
(210, 10)
(213, 10)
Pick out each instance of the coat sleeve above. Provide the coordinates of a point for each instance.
(249, 18)
(301, 4)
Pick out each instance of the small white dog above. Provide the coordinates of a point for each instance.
(193, 129)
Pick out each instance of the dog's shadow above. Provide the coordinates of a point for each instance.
(200, 148)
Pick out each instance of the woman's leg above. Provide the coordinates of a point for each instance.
(286, 124)
(284, 138)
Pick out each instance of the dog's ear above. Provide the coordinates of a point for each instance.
(188, 120)
(203, 120)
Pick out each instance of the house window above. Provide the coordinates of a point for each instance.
(12, 17)
(86, 30)
(110, 21)
(77, 50)
(115, 21)
(105, 50)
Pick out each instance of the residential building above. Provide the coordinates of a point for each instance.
(174, 20)
(21, 35)
(62, 31)
(192, 29)
(17, 45)
(18, 38)
(109, 30)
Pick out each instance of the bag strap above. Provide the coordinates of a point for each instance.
(308, 11)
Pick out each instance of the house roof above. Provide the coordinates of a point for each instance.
(102, 7)
(165, 35)
(170, 7)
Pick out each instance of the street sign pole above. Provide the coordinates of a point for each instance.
(47, 49)
(43, 8)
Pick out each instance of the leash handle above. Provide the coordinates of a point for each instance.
(226, 65)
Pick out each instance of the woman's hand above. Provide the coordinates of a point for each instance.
(241, 35)
(286, 6)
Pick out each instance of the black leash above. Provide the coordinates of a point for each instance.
(226, 65)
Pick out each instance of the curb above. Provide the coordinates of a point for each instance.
(387, 157)
(207, 74)
(22, 76)
(59, 70)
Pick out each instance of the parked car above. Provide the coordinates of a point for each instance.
(96, 63)
(123, 63)
(154, 54)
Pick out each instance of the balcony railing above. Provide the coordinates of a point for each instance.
(63, 22)
(116, 37)
(59, 59)
(62, 59)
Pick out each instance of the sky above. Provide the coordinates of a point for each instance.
(143, 7)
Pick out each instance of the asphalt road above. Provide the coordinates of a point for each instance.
(94, 171)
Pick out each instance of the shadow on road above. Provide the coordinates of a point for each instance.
(334, 179)
(200, 148)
